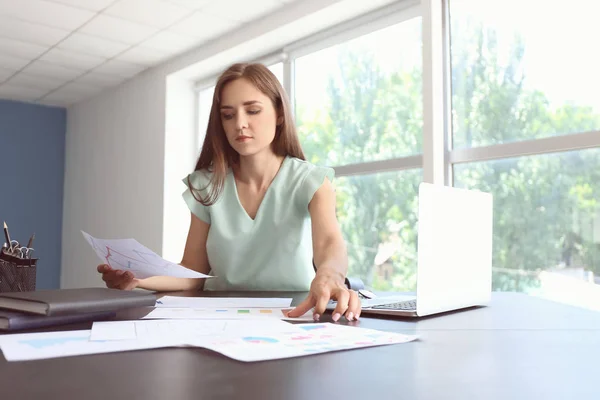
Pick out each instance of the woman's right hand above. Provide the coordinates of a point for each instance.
(117, 279)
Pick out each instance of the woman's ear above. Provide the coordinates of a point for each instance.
(280, 120)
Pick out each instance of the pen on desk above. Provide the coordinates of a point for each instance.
(30, 240)
(7, 236)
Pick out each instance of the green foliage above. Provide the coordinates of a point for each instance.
(545, 206)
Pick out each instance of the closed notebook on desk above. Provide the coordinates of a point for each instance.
(71, 301)
(15, 320)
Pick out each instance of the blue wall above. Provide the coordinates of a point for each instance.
(32, 162)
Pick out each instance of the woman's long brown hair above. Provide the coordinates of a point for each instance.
(217, 155)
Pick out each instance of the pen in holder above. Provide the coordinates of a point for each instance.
(17, 268)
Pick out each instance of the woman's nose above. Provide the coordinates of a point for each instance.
(242, 121)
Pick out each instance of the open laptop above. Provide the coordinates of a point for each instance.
(454, 247)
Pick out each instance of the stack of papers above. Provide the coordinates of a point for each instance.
(232, 308)
(222, 302)
(247, 340)
(244, 329)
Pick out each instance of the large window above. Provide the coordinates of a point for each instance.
(498, 96)
(523, 69)
(522, 79)
(547, 215)
(361, 100)
(356, 102)
(378, 216)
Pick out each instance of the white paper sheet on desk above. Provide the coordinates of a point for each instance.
(243, 342)
(225, 313)
(222, 302)
(37, 346)
(313, 339)
(129, 255)
(184, 331)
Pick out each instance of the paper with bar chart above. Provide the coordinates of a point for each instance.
(129, 255)
(225, 313)
(312, 339)
(245, 340)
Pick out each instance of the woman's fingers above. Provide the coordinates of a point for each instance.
(302, 308)
(322, 296)
(343, 297)
(102, 268)
(354, 306)
(116, 278)
(124, 280)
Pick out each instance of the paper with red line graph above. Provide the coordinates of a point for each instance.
(129, 255)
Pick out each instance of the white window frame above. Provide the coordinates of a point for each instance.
(438, 157)
(553, 144)
(381, 18)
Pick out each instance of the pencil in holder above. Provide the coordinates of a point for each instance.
(17, 273)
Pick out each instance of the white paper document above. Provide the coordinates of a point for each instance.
(247, 340)
(222, 302)
(129, 255)
(183, 331)
(37, 346)
(225, 313)
(313, 339)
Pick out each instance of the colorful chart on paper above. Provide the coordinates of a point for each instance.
(304, 340)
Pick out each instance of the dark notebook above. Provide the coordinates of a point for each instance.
(71, 301)
(14, 320)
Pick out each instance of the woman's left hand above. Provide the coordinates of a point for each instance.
(326, 286)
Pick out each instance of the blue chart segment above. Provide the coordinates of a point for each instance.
(259, 339)
(312, 327)
(49, 342)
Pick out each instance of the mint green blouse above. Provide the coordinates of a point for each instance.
(273, 251)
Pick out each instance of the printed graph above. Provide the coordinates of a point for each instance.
(259, 339)
(121, 260)
(312, 327)
(129, 255)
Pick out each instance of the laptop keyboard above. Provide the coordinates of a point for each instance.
(409, 305)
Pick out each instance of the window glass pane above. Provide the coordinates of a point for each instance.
(523, 69)
(378, 215)
(277, 70)
(546, 222)
(362, 100)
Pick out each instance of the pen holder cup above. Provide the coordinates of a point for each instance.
(17, 274)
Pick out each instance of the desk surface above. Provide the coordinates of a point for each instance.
(519, 347)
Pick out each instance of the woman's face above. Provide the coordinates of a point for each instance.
(248, 116)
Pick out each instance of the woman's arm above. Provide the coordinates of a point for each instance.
(194, 258)
(329, 248)
(331, 260)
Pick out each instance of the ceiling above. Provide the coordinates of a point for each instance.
(59, 52)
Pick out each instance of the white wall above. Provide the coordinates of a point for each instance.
(180, 159)
(128, 148)
(114, 167)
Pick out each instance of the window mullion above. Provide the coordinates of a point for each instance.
(435, 167)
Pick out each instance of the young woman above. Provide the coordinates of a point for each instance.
(260, 214)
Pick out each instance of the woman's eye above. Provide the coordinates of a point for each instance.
(253, 112)
(227, 116)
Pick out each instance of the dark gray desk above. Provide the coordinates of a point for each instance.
(517, 348)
